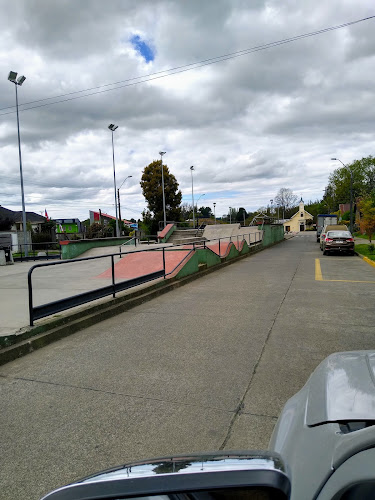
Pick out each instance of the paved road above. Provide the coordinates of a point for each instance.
(207, 366)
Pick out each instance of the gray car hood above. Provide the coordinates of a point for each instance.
(342, 388)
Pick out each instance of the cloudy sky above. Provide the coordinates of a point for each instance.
(250, 124)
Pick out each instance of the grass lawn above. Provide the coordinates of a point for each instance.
(365, 250)
(360, 235)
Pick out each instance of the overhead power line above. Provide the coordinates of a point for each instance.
(173, 71)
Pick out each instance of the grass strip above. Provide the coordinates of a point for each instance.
(366, 250)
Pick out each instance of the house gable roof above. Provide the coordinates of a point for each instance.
(305, 211)
(5, 213)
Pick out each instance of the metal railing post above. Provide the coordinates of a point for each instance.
(30, 289)
(113, 276)
(164, 261)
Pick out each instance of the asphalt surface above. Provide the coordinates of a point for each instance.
(205, 367)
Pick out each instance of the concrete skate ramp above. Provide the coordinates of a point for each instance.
(229, 230)
(135, 264)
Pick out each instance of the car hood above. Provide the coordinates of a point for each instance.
(342, 388)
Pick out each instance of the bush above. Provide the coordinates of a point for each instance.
(371, 248)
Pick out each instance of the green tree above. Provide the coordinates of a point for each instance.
(99, 231)
(367, 216)
(152, 190)
(206, 212)
(241, 215)
(5, 224)
(286, 200)
(338, 189)
(123, 228)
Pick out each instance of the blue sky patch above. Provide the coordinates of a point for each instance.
(142, 48)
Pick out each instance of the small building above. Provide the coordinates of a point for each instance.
(35, 220)
(11, 224)
(68, 226)
(299, 221)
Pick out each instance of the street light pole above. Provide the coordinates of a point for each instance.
(230, 215)
(351, 191)
(215, 212)
(192, 194)
(12, 78)
(161, 153)
(112, 128)
(118, 198)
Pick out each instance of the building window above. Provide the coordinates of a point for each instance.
(301, 214)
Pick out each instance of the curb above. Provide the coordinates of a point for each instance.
(366, 259)
(41, 335)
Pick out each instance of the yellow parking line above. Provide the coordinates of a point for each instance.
(319, 276)
(318, 271)
(351, 281)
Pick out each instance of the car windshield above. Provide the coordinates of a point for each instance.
(339, 234)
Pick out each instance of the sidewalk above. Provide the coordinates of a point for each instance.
(60, 281)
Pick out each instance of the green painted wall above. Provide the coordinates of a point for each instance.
(200, 256)
(75, 248)
(272, 234)
(168, 235)
(245, 248)
(233, 252)
(67, 228)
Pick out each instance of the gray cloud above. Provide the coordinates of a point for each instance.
(250, 125)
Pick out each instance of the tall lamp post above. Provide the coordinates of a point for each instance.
(215, 211)
(118, 197)
(198, 208)
(12, 77)
(351, 191)
(230, 215)
(192, 193)
(112, 127)
(161, 153)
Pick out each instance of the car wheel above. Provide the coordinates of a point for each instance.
(321, 249)
(325, 252)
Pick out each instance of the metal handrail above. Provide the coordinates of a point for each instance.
(82, 298)
(42, 245)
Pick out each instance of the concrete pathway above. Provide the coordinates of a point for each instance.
(59, 281)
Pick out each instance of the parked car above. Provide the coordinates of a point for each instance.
(331, 227)
(338, 241)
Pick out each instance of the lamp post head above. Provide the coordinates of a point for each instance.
(112, 127)
(192, 168)
(334, 159)
(12, 76)
(161, 153)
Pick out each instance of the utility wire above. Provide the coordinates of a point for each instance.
(178, 69)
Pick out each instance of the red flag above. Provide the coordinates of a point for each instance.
(46, 215)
